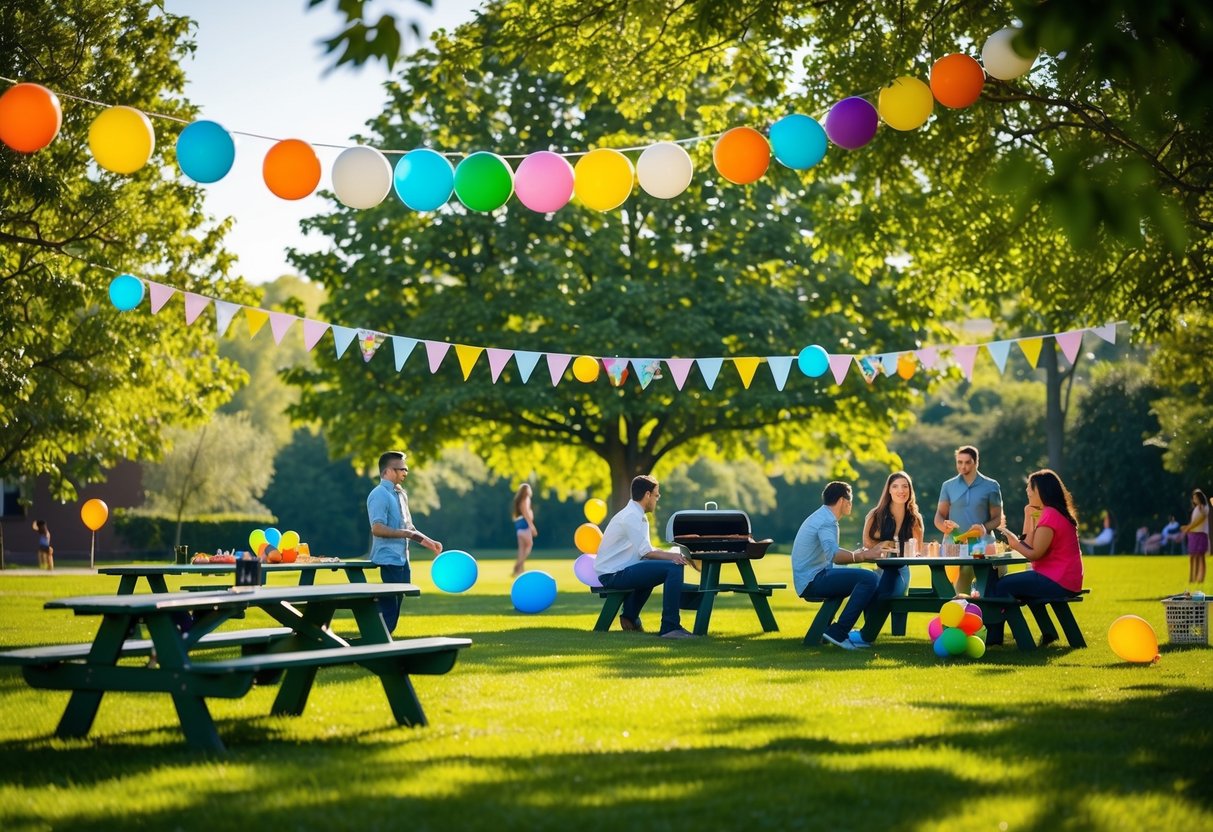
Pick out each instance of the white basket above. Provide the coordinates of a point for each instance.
(1187, 620)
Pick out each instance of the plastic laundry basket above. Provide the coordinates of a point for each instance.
(1187, 620)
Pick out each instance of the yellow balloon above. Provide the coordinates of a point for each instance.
(1132, 638)
(587, 537)
(905, 103)
(906, 365)
(595, 510)
(585, 369)
(94, 513)
(289, 541)
(121, 139)
(603, 178)
(952, 613)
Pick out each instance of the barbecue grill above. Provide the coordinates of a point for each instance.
(715, 534)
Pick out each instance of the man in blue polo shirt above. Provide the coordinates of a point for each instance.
(971, 502)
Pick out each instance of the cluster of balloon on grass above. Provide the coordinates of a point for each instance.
(958, 630)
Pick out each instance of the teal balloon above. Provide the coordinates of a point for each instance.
(940, 648)
(813, 361)
(205, 151)
(454, 571)
(423, 179)
(798, 141)
(954, 640)
(273, 536)
(483, 181)
(126, 292)
(533, 592)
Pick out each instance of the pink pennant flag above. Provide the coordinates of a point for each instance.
(1071, 343)
(840, 365)
(680, 368)
(313, 331)
(280, 322)
(194, 306)
(435, 351)
(928, 357)
(1106, 332)
(160, 295)
(557, 364)
(965, 356)
(498, 358)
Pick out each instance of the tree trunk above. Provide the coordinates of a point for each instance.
(627, 461)
(1058, 384)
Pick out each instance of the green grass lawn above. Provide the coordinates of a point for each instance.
(544, 724)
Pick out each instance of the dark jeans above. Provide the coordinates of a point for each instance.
(1026, 586)
(390, 607)
(641, 578)
(840, 582)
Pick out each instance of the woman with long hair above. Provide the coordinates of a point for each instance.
(524, 525)
(1050, 542)
(893, 522)
(1198, 538)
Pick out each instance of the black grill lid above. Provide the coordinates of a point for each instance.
(710, 522)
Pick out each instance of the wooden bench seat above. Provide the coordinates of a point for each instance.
(52, 653)
(1040, 611)
(614, 599)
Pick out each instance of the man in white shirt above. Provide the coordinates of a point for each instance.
(627, 560)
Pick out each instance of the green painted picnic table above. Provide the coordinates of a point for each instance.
(154, 574)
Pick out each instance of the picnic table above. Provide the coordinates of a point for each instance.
(154, 574)
(302, 644)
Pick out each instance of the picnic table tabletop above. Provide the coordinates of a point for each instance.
(154, 573)
(260, 596)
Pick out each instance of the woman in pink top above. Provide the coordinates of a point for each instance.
(1050, 541)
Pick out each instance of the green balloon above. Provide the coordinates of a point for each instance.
(975, 647)
(483, 181)
(954, 640)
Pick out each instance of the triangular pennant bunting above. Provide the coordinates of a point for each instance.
(402, 348)
(1070, 343)
(526, 362)
(194, 306)
(313, 331)
(710, 368)
(160, 295)
(1031, 349)
(256, 318)
(435, 351)
(497, 360)
(646, 369)
(680, 368)
(616, 370)
(965, 356)
(840, 365)
(224, 312)
(467, 358)
(1106, 332)
(869, 367)
(369, 342)
(999, 350)
(343, 336)
(746, 367)
(280, 322)
(888, 363)
(780, 366)
(928, 357)
(557, 363)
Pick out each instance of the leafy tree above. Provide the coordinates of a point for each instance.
(83, 386)
(1179, 370)
(222, 466)
(723, 270)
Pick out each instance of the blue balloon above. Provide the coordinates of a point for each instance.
(799, 142)
(813, 361)
(940, 649)
(424, 179)
(273, 536)
(533, 592)
(205, 151)
(454, 571)
(126, 292)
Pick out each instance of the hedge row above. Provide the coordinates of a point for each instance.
(203, 534)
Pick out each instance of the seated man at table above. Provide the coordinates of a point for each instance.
(387, 508)
(818, 571)
(627, 560)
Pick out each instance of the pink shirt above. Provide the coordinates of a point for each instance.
(1062, 562)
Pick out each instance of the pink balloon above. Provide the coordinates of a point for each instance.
(544, 182)
(934, 628)
(583, 568)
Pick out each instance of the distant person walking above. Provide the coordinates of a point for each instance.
(524, 526)
(46, 552)
(1198, 539)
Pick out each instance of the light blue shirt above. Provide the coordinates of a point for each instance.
(814, 548)
(970, 504)
(625, 541)
(389, 507)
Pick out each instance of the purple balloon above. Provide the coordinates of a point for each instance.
(973, 608)
(851, 123)
(583, 568)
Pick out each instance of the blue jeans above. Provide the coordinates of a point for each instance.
(840, 582)
(641, 578)
(390, 607)
(1027, 586)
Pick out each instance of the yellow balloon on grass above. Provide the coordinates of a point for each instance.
(905, 103)
(595, 510)
(587, 537)
(1132, 638)
(602, 179)
(121, 139)
(585, 369)
(94, 513)
(289, 540)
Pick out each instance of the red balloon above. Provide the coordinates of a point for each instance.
(956, 81)
(30, 117)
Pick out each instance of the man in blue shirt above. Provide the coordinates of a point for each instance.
(817, 570)
(387, 508)
(971, 502)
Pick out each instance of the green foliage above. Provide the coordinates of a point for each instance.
(154, 534)
(83, 386)
(1180, 369)
(361, 41)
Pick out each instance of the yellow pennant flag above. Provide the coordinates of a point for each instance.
(467, 358)
(1031, 349)
(746, 367)
(256, 319)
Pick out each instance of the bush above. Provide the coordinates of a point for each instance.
(151, 533)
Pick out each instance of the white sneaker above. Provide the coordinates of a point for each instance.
(857, 640)
(845, 644)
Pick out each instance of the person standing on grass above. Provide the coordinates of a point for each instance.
(627, 560)
(971, 502)
(1050, 541)
(387, 508)
(46, 552)
(1198, 539)
(524, 526)
(819, 566)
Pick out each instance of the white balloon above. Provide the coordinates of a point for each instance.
(664, 170)
(362, 177)
(1000, 58)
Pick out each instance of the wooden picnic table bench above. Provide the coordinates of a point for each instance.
(304, 643)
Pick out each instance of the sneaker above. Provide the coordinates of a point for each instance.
(845, 643)
(1046, 639)
(631, 625)
(679, 633)
(857, 639)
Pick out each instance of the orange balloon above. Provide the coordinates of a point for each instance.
(30, 117)
(587, 537)
(956, 80)
(289, 555)
(742, 155)
(94, 513)
(291, 169)
(906, 365)
(953, 572)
